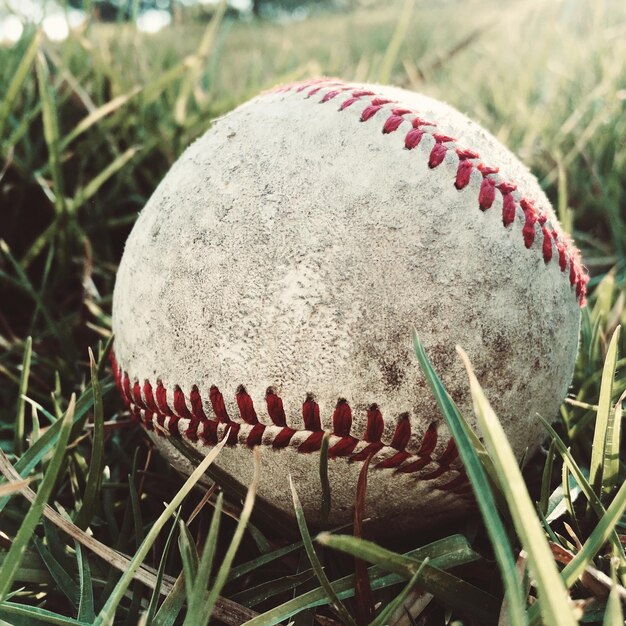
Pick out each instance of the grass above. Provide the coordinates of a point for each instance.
(88, 128)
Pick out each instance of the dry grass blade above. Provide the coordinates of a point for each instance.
(8, 489)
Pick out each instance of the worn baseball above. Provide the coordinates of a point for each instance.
(271, 284)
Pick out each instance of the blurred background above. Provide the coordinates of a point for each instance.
(98, 98)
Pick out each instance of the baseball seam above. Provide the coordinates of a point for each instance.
(179, 415)
(555, 245)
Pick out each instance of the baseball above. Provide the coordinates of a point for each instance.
(270, 286)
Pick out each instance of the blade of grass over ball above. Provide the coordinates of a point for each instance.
(315, 562)
(96, 465)
(480, 485)
(195, 603)
(18, 437)
(17, 82)
(106, 615)
(445, 553)
(30, 521)
(382, 619)
(553, 596)
(603, 418)
(452, 591)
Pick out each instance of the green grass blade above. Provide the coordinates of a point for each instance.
(261, 593)
(544, 500)
(96, 466)
(154, 598)
(553, 596)
(482, 489)
(382, 619)
(106, 615)
(452, 591)
(88, 191)
(397, 39)
(253, 564)
(446, 553)
(30, 521)
(195, 603)
(601, 533)
(172, 605)
(198, 63)
(37, 614)
(63, 580)
(51, 131)
(598, 450)
(26, 285)
(610, 473)
(95, 116)
(18, 439)
(189, 557)
(333, 600)
(222, 573)
(17, 82)
(613, 615)
(592, 498)
(86, 606)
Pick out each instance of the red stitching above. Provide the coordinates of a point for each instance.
(469, 162)
(251, 432)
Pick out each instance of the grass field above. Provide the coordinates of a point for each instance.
(89, 126)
